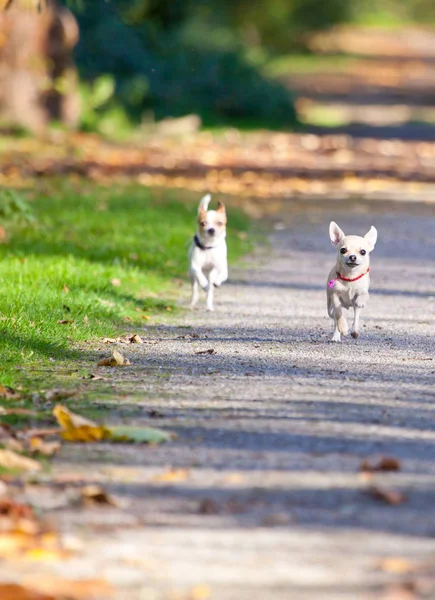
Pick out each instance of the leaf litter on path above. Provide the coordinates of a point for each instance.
(116, 360)
(76, 428)
(383, 463)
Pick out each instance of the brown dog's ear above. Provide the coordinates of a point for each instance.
(221, 208)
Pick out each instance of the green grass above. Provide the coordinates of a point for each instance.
(100, 258)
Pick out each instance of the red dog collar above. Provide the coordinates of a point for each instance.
(354, 279)
(332, 282)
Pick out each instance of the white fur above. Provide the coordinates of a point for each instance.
(208, 268)
(347, 294)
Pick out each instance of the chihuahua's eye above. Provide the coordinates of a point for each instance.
(343, 251)
(220, 224)
(363, 252)
(202, 223)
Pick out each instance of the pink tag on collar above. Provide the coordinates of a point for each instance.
(331, 283)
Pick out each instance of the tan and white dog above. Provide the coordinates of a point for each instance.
(208, 252)
(349, 281)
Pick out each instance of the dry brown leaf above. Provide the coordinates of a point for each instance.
(96, 495)
(9, 393)
(65, 321)
(12, 460)
(18, 411)
(115, 282)
(172, 476)
(209, 351)
(392, 497)
(46, 448)
(384, 463)
(110, 340)
(135, 339)
(14, 591)
(40, 432)
(94, 377)
(57, 394)
(116, 360)
(71, 589)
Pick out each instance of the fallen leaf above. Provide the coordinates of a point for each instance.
(138, 435)
(95, 494)
(57, 394)
(392, 497)
(208, 507)
(116, 360)
(94, 377)
(41, 432)
(76, 428)
(135, 339)
(13, 591)
(12, 460)
(384, 463)
(200, 592)
(46, 448)
(115, 282)
(209, 351)
(70, 589)
(172, 476)
(9, 393)
(65, 321)
(18, 411)
(397, 565)
(65, 289)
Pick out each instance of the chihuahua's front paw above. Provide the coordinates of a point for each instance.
(336, 337)
(210, 308)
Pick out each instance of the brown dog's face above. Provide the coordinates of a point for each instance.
(212, 223)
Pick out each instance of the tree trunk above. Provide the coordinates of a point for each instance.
(38, 79)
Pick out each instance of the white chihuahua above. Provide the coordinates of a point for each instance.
(208, 252)
(349, 281)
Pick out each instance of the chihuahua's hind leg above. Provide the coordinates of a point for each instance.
(359, 304)
(355, 325)
(210, 289)
(195, 292)
(340, 323)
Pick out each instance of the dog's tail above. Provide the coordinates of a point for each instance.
(203, 205)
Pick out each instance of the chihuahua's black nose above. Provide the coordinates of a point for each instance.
(211, 232)
(352, 258)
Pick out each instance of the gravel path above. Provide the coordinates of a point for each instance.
(265, 498)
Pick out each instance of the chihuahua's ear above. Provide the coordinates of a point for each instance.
(221, 208)
(371, 236)
(203, 205)
(335, 233)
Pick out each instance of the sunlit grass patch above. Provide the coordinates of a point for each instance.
(92, 261)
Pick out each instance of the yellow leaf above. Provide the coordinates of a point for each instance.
(396, 564)
(76, 428)
(12, 460)
(172, 476)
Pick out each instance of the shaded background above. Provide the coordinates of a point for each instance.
(227, 62)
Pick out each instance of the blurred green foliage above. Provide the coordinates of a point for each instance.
(163, 58)
(159, 58)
